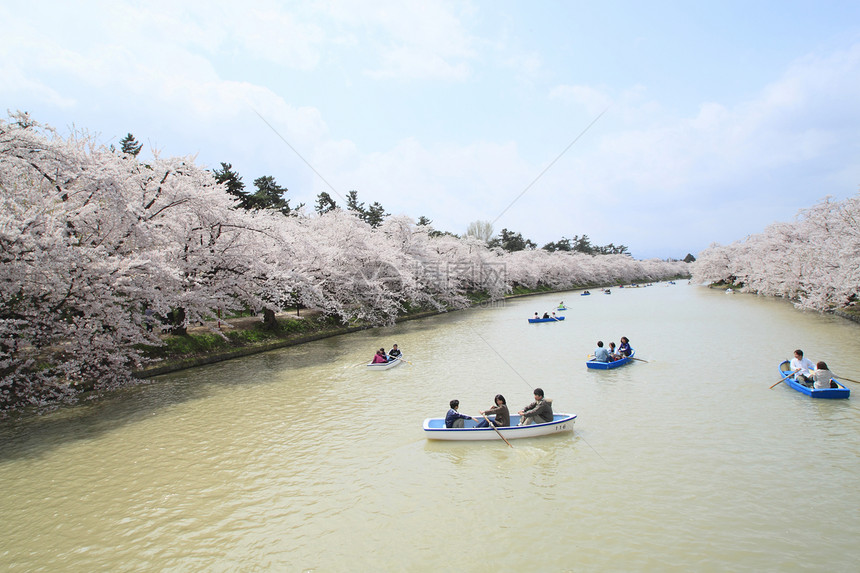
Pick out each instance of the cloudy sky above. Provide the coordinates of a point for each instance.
(661, 125)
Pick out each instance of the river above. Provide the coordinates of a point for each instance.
(300, 460)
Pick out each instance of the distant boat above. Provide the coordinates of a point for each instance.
(550, 319)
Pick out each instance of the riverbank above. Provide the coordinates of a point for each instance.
(851, 312)
(233, 338)
(221, 340)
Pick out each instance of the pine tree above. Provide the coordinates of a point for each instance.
(129, 145)
(233, 183)
(375, 214)
(270, 195)
(325, 203)
(352, 203)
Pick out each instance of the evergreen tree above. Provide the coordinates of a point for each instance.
(510, 241)
(560, 245)
(352, 203)
(129, 145)
(325, 203)
(270, 195)
(374, 215)
(233, 183)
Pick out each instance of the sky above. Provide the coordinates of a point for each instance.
(664, 126)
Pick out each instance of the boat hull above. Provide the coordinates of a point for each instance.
(385, 365)
(594, 365)
(827, 393)
(556, 319)
(434, 429)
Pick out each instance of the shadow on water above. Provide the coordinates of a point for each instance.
(32, 432)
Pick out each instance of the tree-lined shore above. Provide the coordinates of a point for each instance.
(813, 261)
(102, 251)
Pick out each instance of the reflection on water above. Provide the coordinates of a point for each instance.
(302, 460)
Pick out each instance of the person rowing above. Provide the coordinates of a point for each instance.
(802, 368)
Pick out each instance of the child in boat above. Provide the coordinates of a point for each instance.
(380, 357)
(613, 355)
(454, 419)
(624, 349)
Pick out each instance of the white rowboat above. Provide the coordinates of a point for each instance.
(434, 429)
(385, 365)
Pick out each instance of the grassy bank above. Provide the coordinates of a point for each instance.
(232, 338)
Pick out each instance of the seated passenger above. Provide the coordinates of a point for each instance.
(613, 355)
(380, 357)
(454, 419)
(601, 354)
(537, 412)
(394, 352)
(822, 377)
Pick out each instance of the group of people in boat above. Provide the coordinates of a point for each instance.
(538, 412)
(611, 354)
(811, 375)
(381, 357)
(546, 315)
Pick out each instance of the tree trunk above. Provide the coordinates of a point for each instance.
(269, 320)
(177, 322)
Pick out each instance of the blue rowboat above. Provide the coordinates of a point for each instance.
(595, 365)
(833, 393)
(550, 319)
(562, 308)
(434, 429)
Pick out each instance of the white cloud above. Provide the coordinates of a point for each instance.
(593, 99)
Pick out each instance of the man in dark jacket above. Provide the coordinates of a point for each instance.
(537, 412)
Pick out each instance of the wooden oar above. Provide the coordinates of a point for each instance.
(841, 378)
(786, 376)
(639, 359)
(495, 428)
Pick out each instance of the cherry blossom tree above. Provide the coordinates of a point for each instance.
(813, 261)
(98, 249)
